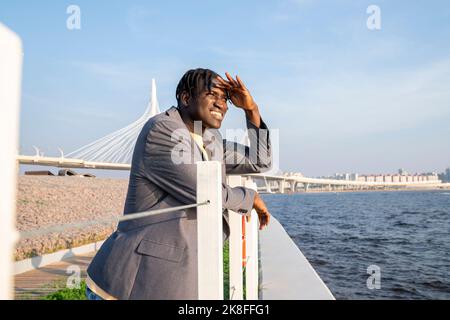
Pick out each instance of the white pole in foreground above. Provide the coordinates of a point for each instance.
(252, 270)
(209, 231)
(10, 82)
(235, 221)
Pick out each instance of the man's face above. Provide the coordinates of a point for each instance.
(209, 107)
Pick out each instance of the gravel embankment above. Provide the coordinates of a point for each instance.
(46, 201)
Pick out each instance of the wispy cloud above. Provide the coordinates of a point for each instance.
(119, 73)
(358, 103)
(138, 18)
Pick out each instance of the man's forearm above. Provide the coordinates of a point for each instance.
(254, 116)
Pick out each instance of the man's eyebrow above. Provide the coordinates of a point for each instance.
(220, 90)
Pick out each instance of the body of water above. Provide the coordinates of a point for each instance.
(404, 234)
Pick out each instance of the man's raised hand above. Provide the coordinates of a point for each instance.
(238, 92)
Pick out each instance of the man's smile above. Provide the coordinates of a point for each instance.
(217, 115)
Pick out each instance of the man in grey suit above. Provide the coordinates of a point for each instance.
(156, 257)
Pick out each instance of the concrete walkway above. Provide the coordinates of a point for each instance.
(38, 283)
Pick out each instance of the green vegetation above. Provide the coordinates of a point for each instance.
(69, 294)
(226, 270)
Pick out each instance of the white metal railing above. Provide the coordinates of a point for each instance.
(252, 272)
(210, 240)
(209, 231)
(243, 240)
(236, 239)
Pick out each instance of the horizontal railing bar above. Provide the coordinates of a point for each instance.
(139, 215)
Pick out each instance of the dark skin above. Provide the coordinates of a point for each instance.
(210, 108)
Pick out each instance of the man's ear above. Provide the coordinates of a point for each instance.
(185, 98)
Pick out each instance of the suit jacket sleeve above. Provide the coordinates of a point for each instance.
(169, 161)
(241, 159)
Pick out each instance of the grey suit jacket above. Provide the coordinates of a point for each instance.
(156, 257)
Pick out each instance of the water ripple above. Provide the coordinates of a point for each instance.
(406, 234)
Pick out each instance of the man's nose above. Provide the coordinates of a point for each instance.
(222, 105)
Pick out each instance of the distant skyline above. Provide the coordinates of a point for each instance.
(344, 98)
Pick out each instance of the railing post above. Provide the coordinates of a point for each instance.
(10, 82)
(235, 240)
(252, 272)
(209, 231)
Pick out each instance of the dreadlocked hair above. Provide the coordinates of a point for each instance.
(194, 82)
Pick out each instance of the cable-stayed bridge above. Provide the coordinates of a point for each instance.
(113, 151)
(290, 184)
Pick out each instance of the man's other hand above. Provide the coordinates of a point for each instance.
(261, 210)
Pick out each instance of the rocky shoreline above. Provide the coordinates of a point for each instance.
(46, 201)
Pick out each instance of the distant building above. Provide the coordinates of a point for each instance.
(391, 178)
(339, 176)
(293, 174)
(447, 175)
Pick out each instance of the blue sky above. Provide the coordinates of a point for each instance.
(345, 98)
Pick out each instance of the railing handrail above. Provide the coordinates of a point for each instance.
(210, 242)
(130, 216)
(209, 232)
